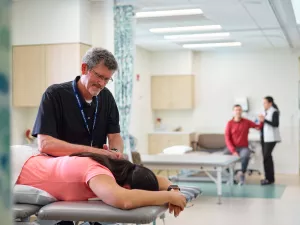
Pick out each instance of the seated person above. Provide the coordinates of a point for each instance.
(236, 137)
(116, 182)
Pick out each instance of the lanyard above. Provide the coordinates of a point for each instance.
(83, 114)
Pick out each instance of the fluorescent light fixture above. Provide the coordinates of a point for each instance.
(197, 39)
(183, 29)
(179, 12)
(296, 7)
(213, 45)
(185, 36)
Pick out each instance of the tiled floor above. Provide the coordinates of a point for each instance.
(284, 210)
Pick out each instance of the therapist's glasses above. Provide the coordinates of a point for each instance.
(106, 80)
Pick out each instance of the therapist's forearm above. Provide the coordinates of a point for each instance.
(117, 143)
(55, 147)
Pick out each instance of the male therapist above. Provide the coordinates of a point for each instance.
(79, 116)
(236, 138)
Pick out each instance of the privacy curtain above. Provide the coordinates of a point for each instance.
(124, 52)
(5, 55)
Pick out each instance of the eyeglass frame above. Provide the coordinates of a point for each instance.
(101, 77)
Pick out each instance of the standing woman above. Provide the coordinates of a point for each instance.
(269, 137)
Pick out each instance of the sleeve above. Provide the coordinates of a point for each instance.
(254, 125)
(47, 119)
(275, 120)
(228, 141)
(96, 169)
(113, 117)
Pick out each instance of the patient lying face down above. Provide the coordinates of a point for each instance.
(117, 182)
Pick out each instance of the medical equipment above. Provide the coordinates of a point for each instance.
(206, 163)
(92, 211)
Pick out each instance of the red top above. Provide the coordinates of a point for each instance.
(236, 134)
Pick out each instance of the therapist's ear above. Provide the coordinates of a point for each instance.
(84, 68)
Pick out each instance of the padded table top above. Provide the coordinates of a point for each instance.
(187, 160)
(97, 211)
(22, 211)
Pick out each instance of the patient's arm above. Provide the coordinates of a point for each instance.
(55, 147)
(163, 183)
(106, 188)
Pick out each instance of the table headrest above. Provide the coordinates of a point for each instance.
(23, 194)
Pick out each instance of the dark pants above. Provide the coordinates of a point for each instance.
(244, 154)
(267, 149)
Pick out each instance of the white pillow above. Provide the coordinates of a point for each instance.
(177, 150)
(19, 154)
(24, 194)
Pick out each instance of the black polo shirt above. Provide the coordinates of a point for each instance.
(59, 116)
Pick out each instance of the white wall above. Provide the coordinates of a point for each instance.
(220, 77)
(102, 26)
(171, 63)
(44, 22)
(141, 114)
(85, 22)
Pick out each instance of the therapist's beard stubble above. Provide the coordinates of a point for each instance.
(95, 89)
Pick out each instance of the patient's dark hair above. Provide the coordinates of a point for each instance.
(125, 172)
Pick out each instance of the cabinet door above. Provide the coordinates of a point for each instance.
(178, 139)
(62, 63)
(160, 92)
(83, 50)
(28, 78)
(157, 143)
(182, 92)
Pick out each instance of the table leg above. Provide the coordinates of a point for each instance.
(219, 184)
(231, 177)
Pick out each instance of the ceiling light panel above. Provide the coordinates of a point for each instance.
(179, 12)
(213, 45)
(185, 29)
(206, 35)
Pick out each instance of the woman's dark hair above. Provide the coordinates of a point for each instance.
(271, 100)
(125, 172)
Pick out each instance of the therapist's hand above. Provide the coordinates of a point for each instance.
(113, 154)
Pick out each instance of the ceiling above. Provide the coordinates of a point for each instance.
(257, 24)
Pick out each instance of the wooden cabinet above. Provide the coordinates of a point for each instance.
(35, 67)
(172, 92)
(158, 141)
(29, 80)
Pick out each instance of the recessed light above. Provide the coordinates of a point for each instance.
(213, 45)
(179, 12)
(205, 35)
(182, 29)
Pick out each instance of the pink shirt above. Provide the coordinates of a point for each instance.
(65, 178)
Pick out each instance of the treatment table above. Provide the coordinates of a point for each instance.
(92, 211)
(206, 163)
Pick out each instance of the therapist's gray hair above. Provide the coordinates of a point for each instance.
(97, 55)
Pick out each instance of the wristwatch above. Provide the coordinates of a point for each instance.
(173, 187)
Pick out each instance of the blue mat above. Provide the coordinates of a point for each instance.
(246, 191)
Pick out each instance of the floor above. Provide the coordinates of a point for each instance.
(277, 206)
